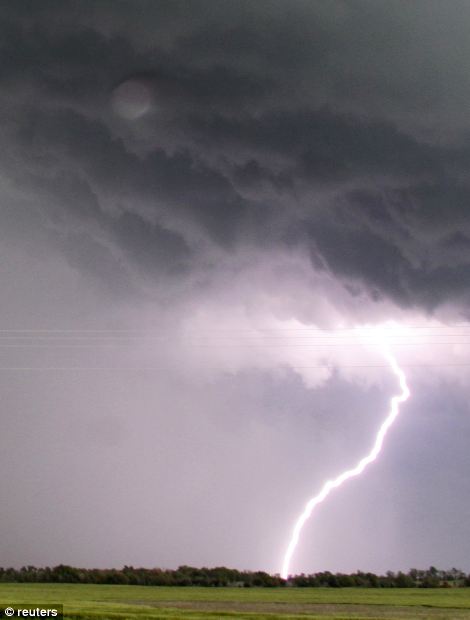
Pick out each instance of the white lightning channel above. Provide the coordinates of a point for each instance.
(395, 403)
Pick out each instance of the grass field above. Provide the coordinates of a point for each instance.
(86, 602)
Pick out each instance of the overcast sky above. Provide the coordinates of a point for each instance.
(199, 201)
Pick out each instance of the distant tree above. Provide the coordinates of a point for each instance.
(344, 581)
(403, 581)
(222, 576)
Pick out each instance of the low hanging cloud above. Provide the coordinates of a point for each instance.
(218, 159)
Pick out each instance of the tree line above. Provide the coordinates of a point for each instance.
(222, 576)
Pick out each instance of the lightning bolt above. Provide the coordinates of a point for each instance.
(395, 403)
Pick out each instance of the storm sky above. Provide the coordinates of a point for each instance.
(199, 202)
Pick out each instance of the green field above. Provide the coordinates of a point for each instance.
(86, 602)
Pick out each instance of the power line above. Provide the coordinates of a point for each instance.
(234, 329)
(287, 366)
(226, 345)
(251, 336)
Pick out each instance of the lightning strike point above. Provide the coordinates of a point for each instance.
(395, 403)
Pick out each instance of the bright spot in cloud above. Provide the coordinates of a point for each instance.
(131, 99)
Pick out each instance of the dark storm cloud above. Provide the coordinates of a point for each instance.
(70, 160)
(265, 126)
(52, 58)
(170, 183)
